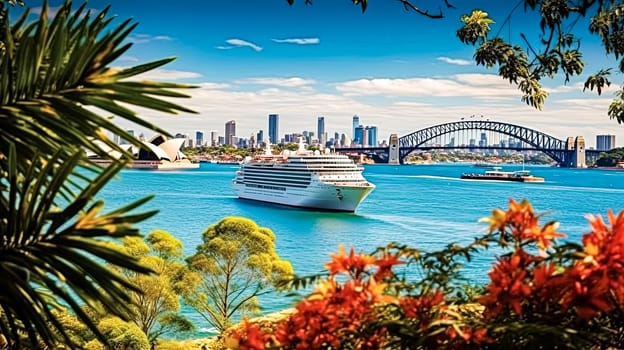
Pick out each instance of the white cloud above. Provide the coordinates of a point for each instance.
(469, 85)
(167, 75)
(239, 43)
(127, 58)
(457, 61)
(284, 82)
(146, 38)
(250, 105)
(299, 41)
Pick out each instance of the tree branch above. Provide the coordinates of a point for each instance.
(409, 6)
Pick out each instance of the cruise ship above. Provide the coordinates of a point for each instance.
(303, 179)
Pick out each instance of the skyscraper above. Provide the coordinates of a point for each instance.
(372, 136)
(199, 139)
(230, 132)
(260, 137)
(320, 130)
(358, 135)
(605, 142)
(214, 138)
(356, 123)
(274, 128)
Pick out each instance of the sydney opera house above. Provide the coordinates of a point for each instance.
(158, 153)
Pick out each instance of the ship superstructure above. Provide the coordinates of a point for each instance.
(303, 178)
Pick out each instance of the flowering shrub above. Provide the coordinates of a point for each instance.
(541, 294)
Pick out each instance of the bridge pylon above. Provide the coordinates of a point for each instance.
(575, 155)
(393, 151)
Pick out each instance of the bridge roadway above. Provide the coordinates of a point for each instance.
(569, 153)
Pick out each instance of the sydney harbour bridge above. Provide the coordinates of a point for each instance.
(481, 136)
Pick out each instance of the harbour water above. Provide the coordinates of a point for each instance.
(425, 206)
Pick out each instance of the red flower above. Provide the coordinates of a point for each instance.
(352, 264)
(508, 286)
(385, 264)
(596, 282)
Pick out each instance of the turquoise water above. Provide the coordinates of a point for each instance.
(425, 206)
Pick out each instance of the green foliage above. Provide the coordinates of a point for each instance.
(56, 240)
(235, 263)
(611, 158)
(51, 71)
(156, 304)
(121, 335)
(51, 254)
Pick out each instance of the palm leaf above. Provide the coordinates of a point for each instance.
(49, 254)
(51, 71)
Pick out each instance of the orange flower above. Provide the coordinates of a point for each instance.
(248, 337)
(385, 264)
(508, 286)
(599, 277)
(421, 307)
(352, 264)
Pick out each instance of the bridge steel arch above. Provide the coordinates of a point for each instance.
(552, 146)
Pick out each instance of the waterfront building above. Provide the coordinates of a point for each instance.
(320, 129)
(605, 142)
(372, 136)
(230, 132)
(199, 139)
(365, 136)
(356, 123)
(214, 138)
(358, 135)
(483, 141)
(260, 137)
(274, 128)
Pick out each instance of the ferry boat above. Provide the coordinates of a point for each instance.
(303, 179)
(496, 174)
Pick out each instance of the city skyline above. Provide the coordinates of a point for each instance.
(251, 58)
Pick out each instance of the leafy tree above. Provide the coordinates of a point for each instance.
(234, 265)
(156, 306)
(121, 335)
(556, 52)
(611, 158)
(52, 234)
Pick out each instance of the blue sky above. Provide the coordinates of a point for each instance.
(393, 68)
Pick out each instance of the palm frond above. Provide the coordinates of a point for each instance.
(49, 254)
(51, 71)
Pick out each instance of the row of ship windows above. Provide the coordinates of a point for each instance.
(280, 177)
(267, 187)
(285, 183)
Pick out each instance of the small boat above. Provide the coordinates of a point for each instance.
(496, 174)
(484, 165)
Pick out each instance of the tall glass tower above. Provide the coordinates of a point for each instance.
(199, 139)
(372, 136)
(274, 128)
(356, 123)
(230, 132)
(320, 129)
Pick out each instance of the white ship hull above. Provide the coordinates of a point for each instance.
(303, 179)
(317, 195)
